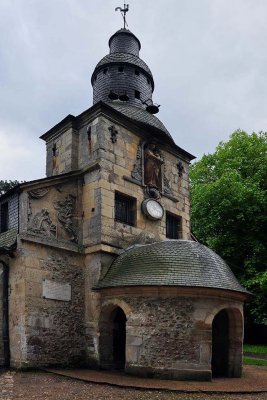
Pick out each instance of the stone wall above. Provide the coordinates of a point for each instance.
(170, 335)
(116, 162)
(62, 152)
(46, 331)
(1, 317)
(52, 211)
(107, 166)
(166, 325)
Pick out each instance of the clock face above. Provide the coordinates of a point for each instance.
(153, 209)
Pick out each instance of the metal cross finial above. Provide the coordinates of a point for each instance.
(123, 13)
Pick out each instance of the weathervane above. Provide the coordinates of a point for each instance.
(123, 13)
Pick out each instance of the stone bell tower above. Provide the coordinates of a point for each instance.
(135, 186)
(94, 275)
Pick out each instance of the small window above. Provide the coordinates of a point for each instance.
(105, 71)
(137, 72)
(137, 94)
(4, 217)
(173, 226)
(125, 209)
(121, 69)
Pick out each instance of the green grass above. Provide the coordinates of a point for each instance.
(254, 361)
(257, 349)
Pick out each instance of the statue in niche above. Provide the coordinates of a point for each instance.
(42, 224)
(152, 166)
(65, 213)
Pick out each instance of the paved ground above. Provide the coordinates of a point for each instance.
(254, 379)
(45, 386)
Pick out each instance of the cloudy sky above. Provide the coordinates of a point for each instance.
(208, 58)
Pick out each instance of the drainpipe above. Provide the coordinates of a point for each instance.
(5, 315)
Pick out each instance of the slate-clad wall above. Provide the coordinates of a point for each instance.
(119, 82)
(13, 211)
(124, 43)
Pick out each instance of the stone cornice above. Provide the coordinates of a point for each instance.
(177, 291)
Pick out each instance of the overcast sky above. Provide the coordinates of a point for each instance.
(208, 59)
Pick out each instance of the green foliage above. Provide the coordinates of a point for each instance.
(254, 361)
(229, 210)
(6, 185)
(256, 349)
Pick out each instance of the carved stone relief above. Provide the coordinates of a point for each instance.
(153, 162)
(167, 188)
(38, 193)
(52, 217)
(41, 224)
(137, 170)
(65, 214)
(180, 168)
(113, 133)
(149, 170)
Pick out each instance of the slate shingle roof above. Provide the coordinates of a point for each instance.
(140, 115)
(127, 58)
(170, 263)
(8, 240)
(127, 32)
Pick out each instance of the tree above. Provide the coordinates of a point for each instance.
(229, 210)
(6, 185)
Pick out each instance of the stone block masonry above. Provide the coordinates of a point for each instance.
(50, 332)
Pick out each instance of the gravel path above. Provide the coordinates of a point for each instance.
(45, 386)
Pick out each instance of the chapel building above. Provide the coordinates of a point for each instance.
(97, 263)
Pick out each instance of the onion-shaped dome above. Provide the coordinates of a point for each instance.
(170, 263)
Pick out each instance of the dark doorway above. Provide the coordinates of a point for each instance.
(220, 344)
(119, 339)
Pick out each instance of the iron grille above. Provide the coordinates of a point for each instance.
(125, 209)
(173, 226)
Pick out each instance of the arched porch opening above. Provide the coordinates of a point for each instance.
(227, 339)
(220, 344)
(112, 340)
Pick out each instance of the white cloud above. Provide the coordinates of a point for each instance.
(207, 58)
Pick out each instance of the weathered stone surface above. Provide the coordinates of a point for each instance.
(1, 317)
(49, 332)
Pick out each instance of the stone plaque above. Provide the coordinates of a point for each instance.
(56, 291)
